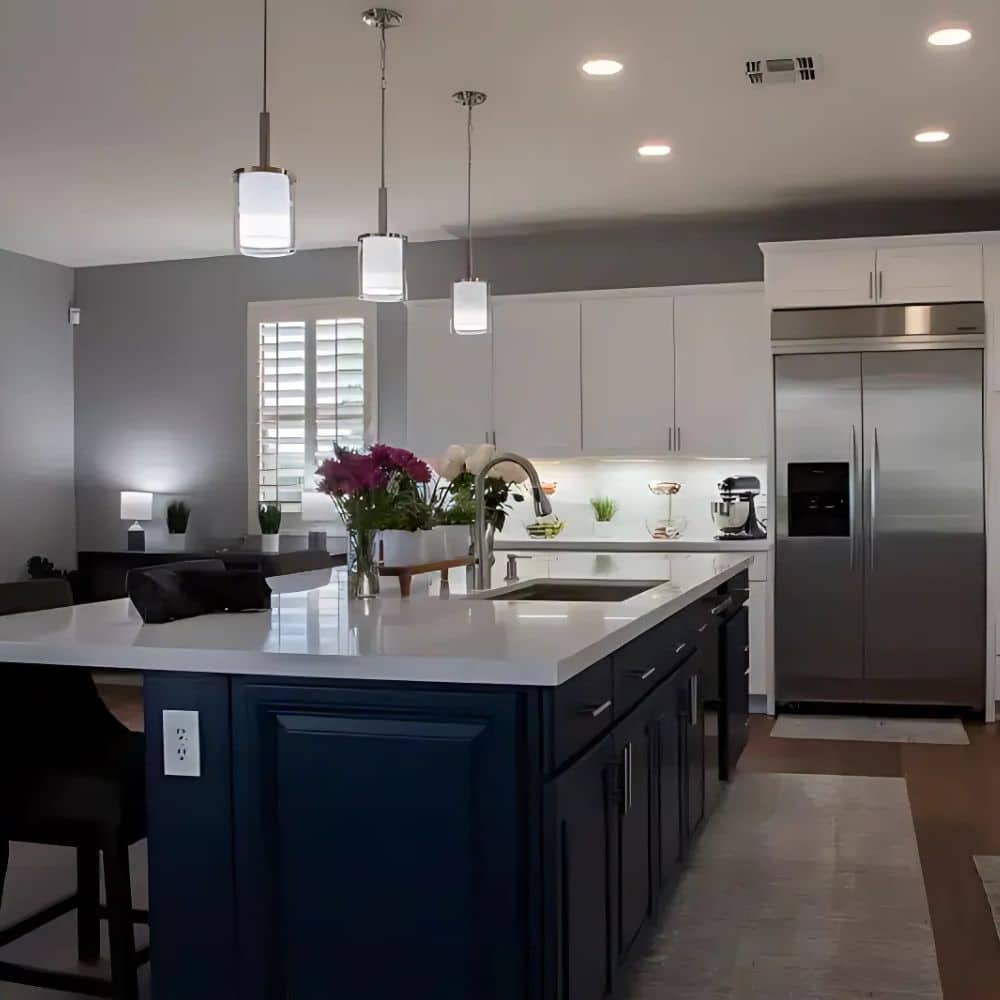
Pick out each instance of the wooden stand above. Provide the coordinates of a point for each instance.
(407, 573)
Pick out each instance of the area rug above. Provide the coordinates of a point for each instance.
(946, 732)
(803, 887)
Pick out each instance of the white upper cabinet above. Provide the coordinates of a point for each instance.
(801, 279)
(449, 382)
(930, 274)
(536, 376)
(723, 358)
(627, 376)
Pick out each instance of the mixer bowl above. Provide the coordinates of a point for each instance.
(730, 515)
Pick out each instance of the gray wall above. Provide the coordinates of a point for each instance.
(36, 414)
(160, 373)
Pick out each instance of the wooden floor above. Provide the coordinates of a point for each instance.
(954, 796)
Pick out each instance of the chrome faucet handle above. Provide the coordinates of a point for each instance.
(512, 558)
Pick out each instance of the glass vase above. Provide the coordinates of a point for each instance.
(362, 563)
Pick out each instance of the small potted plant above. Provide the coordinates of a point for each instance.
(178, 515)
(604, 511)
(269, 517)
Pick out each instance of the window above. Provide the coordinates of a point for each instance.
(312, 380)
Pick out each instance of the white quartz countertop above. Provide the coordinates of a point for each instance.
(431, 637)
(563, 543)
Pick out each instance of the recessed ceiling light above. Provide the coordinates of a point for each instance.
(932, 135)
(601, 67)
(654, 149)
(949, 36)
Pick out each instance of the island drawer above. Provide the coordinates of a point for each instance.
(653, 657)
(577, 712)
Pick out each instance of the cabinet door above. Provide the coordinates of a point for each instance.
(628, 376)
(931, 274)
(758, 637)
(693, 720)
(585, 805)
(449, 382)
(820, 278)
(670, 811)
(736, 694)
(378, 843)
(723, 358)
(536, 377)
(634, 743)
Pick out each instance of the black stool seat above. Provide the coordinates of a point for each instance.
(72, 775)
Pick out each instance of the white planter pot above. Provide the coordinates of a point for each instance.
(604, 529)
(270, 543)
(457, 540)
(175, 543)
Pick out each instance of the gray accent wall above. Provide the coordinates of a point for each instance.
(161, 370)
(37, 514)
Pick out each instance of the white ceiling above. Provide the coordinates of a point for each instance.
(121, 120)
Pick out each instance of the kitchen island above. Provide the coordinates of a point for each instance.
(442, 797)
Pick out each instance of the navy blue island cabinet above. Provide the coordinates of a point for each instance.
(375, 841)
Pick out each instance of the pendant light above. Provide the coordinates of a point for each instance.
(264, 224)
(381, 255)
(470, 298)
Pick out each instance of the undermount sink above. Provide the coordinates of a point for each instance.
(571, 590)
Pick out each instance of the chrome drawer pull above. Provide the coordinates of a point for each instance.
(746, 649)
(645, 674)
(680, 648)
(595, 712)
(722, 607)
(701, 628)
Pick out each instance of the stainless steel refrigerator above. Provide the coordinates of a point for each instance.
(880, 575)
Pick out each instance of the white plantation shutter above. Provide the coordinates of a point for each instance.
(312, 390)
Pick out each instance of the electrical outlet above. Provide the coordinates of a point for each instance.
(181, 744)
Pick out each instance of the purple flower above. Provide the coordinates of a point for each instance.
(349, 473)
(400, 460)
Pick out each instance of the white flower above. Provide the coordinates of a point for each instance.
(476, 462)
(509, 472)
(451, 464)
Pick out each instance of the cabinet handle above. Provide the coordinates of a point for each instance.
(701, 628)
(880, 283)
(670, 439)
(595, 712)
(680, 648)
(644, 675)
(871, 285)
(693, 689)
(628, 778)
(746, 649)
(719, 608)
(678, 437)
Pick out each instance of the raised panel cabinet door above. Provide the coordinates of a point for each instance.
(951, 273)
(627, 375)
(449, 382)
(536, 377)
(634, 744)
(820, 278)
(379, 845)
(584, 801)
(724, 389)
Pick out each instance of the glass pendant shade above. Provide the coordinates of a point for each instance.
(382, 268)
(265, 212)
(470, 307)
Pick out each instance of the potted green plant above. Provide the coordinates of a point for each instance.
(178, 515)
(604, 511)
(269, 518)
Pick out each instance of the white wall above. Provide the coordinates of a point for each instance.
(626, 482)
(37, 505)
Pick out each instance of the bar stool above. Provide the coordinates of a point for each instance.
(71, 775)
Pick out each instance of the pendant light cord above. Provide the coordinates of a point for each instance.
(468, 200)
(264, 101)
(382, 58)
(264, 133)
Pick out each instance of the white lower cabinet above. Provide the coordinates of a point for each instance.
(758, 637)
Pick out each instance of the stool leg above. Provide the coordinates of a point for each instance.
(88, 917)
(118, 886)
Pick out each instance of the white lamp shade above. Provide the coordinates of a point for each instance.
(137, 506)
(265, 213)
(318, 507)
(470, 307)
(381, 268)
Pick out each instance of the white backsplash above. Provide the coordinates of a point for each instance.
(625, 481)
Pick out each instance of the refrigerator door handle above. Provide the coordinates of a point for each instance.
(873, 513)
(852, 482)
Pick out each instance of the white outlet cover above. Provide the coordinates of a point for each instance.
(181, 744)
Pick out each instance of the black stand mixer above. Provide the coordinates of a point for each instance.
(735, 515)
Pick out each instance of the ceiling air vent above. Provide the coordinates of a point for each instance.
(792, 69)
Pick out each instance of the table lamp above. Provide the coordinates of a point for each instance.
(136, 507)
(317, 507)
